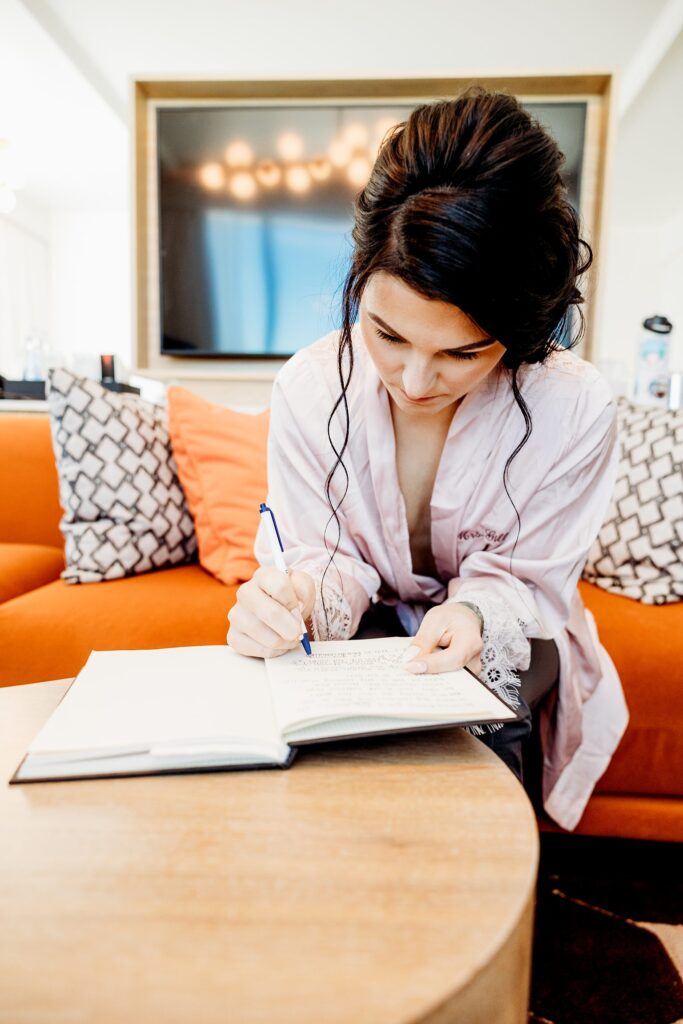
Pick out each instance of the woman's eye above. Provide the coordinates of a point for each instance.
(463, 355)
(388, 337)
(452, 355)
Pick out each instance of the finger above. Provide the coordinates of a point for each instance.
(304, 588)
(457, 653)
(441, 630)
(269, 610)
(431, 633)
(278, 585)
(243, 644)
(283, 589)
(250, 625)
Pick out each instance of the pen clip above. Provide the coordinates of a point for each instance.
(280, 558)
(264, 508)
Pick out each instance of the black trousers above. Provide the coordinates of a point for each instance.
(516, 743)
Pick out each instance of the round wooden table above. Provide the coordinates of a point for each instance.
(381, 880)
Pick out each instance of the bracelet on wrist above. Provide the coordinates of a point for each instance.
(477, 611)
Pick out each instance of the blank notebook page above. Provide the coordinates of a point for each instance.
(131, 700)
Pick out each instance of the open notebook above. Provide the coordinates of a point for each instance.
(209, 708)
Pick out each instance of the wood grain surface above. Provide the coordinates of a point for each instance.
(381, 880)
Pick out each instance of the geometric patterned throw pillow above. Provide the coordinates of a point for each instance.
(124, 508)
(639, 550)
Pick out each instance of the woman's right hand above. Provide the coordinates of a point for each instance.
(265, 621)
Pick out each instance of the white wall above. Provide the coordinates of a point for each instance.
(72, 144)
(24, 283)
(644, 257)
(90, 283)
(671, 284)
(66, 275)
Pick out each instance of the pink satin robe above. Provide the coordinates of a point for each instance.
(561, 482)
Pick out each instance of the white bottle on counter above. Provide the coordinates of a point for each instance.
(652, 366)
(33, 357)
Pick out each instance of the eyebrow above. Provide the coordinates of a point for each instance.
(482, 343)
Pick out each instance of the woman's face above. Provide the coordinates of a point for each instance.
(432, 354)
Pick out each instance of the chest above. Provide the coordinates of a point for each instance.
(417, 462)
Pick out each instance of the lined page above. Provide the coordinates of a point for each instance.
(132, 701)
(348, 678)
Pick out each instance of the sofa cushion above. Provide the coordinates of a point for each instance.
(629, 816)
(644, 643)
(49, 633)
(221, 459)
(29, 505)
(124, 508)
(638, 552)
(27, 566)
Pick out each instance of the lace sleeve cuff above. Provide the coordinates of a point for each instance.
(505, 649)
(332, 615)
(340, 601)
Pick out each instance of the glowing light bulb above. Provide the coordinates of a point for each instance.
(339, 153)
(242, 185)
(358, 171)
(290, 146)
(320, 169)
(239, 154)
(211, 176)
(355, 135)
(298, 178)
(268, 173)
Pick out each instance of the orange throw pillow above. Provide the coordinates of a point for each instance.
(221, 457)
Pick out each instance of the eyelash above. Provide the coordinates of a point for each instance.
(452, 355)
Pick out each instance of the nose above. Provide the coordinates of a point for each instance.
(418, 378)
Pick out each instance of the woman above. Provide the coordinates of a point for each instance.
(441, 465)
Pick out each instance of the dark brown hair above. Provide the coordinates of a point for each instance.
(466, 204)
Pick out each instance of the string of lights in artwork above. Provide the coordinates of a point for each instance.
(350, 154)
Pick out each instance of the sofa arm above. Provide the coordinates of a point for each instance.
(29, 506)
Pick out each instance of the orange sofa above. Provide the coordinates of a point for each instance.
(48, 628)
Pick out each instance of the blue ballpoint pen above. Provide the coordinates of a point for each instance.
(278, 555)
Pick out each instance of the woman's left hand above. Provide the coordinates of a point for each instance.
(448, 638)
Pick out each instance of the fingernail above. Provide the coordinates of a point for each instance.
(417, 667)
(409, 653)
